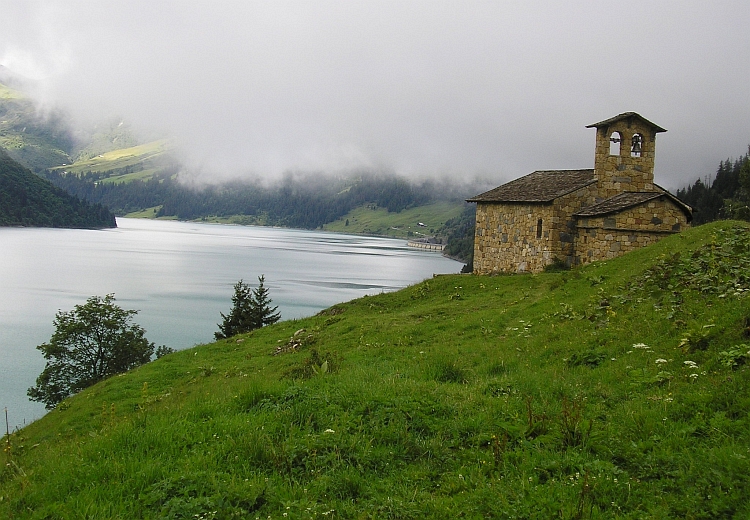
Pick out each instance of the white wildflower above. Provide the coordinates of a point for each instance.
(660, 361)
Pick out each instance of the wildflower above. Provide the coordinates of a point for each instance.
(691, 364)
(660, 360)
(694, 376)
(329, 431)
(640, 345)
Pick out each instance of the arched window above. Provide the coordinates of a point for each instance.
(636, 146)
(539, 228)
(614, 143)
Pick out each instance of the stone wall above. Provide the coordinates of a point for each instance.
(507, 235)
(609, 236)
(507, 238)
(618, 173)
(563, 223)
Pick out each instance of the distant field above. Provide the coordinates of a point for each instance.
(9, 93)
(135, 176)
(379, 221)
(118, 159)
(145, 213)
(364, 220)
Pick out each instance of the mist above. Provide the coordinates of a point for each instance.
(458, 90)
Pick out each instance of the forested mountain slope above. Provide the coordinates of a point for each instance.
(28, 200)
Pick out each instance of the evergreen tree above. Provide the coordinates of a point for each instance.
(263, 313)
(251, 309)
(738, 206)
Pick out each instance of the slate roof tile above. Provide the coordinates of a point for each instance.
(539, 186)
(629, 199)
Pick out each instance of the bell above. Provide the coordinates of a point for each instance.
(636, 148)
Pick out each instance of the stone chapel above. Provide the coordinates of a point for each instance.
(580, 216)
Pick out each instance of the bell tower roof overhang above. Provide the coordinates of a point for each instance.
(627, 116)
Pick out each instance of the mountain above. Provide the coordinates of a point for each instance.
(28, 200)
(38, 140)
(617, 390)
(13, 79)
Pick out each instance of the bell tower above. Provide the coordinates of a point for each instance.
(624, 155)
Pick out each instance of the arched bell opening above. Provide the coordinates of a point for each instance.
(615, 140)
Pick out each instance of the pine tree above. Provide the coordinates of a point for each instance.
(239, 319)
(263, 313)
(251, 309)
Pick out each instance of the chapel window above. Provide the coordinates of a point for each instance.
(539, 228)
(614, 143)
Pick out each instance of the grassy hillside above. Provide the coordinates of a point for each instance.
(37, 140)
(379, 221)
(9, 93)
(122, 165)
(619, 390)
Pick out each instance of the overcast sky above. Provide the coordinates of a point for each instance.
(491, 89)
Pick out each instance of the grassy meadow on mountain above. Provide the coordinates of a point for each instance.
(618, 390)
(36, 140)
(373, 220)
(139, 162)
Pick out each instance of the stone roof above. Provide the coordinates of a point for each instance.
(628, 199)
(539, 186)
(627, 115)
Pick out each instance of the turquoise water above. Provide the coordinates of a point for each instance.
(179, 276)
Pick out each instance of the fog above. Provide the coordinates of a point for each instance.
(463, 90)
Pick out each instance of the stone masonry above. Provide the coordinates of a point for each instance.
(605, 237)
(580, 216)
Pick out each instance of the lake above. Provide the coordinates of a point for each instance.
(179, 276)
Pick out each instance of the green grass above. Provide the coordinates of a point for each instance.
(144, 213)
(9, 93)
(119, 159)
(378, 221)
(128, 177)
(619, 390)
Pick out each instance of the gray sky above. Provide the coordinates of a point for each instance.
(435, 88)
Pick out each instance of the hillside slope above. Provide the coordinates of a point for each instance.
(34, 139)
(29, 200)
(620, 390)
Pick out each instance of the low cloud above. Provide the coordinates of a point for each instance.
(458, 90)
